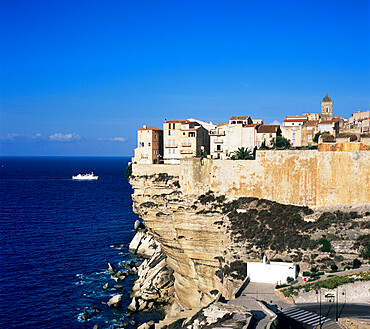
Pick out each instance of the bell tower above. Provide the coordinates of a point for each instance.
(327, 108)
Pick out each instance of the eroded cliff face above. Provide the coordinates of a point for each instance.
(190, 240)
(207, 238)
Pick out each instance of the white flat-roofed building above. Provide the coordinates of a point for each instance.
(271, 272)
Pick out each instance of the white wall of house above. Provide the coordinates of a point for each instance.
(271, 272)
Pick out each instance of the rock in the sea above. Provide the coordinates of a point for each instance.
(111, 269)
(95, 309)
(118, 286)
(96, 327)
(86, 315)
(115, 301)
(133, 305)
(105, 287)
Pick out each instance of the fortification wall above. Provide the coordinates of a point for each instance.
(300, 177)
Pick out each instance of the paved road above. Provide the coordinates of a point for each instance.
(308, 315)
(344, 310)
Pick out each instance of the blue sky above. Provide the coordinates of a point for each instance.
(79, 77)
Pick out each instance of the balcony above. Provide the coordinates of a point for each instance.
(186, 151)
(218, 141)
(186, 145)
(217, 133)
(170, 146)
(215, 150)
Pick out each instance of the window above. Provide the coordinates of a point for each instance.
(189, 142)
(173, 126)
(293, 134)
(309, 128)
(309, 137)
(192, 134)
(183, 134)
(155, 152)
(169, 133)
(148, 144)
(218, 147)
(173, 142)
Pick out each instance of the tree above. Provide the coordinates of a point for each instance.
(280, 142)
(128, 171)
(334, 267)
(289, 279)
(242, 154)
(356, 263)
(318, 134)
(201, 153)
(263, 146)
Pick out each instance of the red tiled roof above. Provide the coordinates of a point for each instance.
(150, 128)
(268, 129)
(295, 120)
(240, 118)
(311, 123)
(251, 125)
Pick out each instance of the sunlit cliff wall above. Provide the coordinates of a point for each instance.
(195, 237)
(301, 177)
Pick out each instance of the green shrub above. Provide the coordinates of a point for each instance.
(326, 246)
(334, 268)
(356, 263)
(128, 171)
(289, 279)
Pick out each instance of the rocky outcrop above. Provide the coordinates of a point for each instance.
(143, 244)
(216, 315)
(154, 285)
(207, 238)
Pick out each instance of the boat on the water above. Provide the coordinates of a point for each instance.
(85, 177)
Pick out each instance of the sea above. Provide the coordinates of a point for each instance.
(57, 236)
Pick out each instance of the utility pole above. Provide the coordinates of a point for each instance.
(320, 308)
(336, 307)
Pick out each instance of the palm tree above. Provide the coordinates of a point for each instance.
(242, 153)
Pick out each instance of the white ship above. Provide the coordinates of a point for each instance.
(85, 177)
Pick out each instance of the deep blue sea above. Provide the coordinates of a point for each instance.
(56, 238)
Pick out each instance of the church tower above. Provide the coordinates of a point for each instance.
(327, 108)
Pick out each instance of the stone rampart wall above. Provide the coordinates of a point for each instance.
(152, 169)
(300, 177)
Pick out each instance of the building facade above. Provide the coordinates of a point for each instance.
(326, 108)
(182, 139)
(149, 145)
(265, 133)
(292, 129)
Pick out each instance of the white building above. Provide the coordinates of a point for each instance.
(271, 272)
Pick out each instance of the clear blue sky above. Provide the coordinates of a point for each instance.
(79, 77)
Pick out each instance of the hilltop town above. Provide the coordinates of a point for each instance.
(241, 135)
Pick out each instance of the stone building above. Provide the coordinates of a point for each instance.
(183, 138)
(309, 129)
(292, 129)
(265, 133)
(326, 108)
(149, 145)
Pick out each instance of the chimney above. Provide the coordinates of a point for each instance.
(144, 126)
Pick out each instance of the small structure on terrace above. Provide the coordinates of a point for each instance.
(271, 272)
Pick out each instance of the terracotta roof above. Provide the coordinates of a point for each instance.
(268, 128)
(240, 118)
(311, 123)
(150, 128)
(295, 120)
(251, 125)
